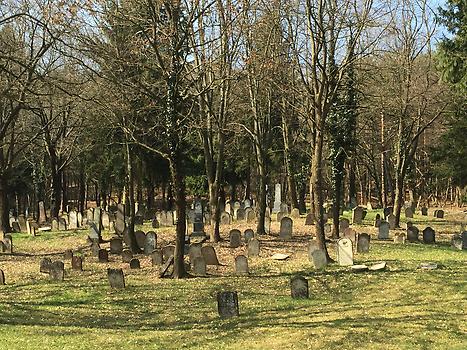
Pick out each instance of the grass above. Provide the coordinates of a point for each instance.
(400, 308)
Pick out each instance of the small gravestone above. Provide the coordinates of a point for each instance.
(116, 278)
(140, 239)
(209, 255)
(295, 213)
(424, 211)
(428, 236)
(299, 287)
(310, 219)
(319, 259)
(68, 255)
(391, 219)
(399, 238)
(286, 228)
(226, 218)
(227, 304)
(156, 257)
(57, 271)
(134, 264)
(77, 263)
(248, 235)
(150, 242)
(127, 255)
(44, 265)
(311, 247)
(343, 224)
(54, 225)
(363, 243)
(456, 242)
(241, 214)
(2, 278)
(357, 215)
(103, 256)
(344, 252)
(377, 220)
(116, 245)
(199, 266)
(250, 215)
(62, 226)
(409, 213)
(412, 234)
(7, 244)
(155, 223)
(383, 230)
(241, 265)
(95, 247)
(235, 238)
(168, 251)
(253, 247)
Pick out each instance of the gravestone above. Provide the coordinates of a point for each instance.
(464, 240)
(116, 245)
(94, 232)
(140, 239)
(134, 264)
(150, 242)
(22, 222)
(456, 242)
(344, 252)
(225, 218)
(439, 214)
(327, 229)
(127, 255)
(228, 208)
(280, 215)
(377, 220)
(68, 255)
(90, 215)
(194, 251)
(241, 265)
(387, 211)
(57, 271)
(253, 247)
(116, 278)
(295, 213)
(241, 214)
(62, 226)
(286, 228)
(95, 247)
(311, 247)
(412, 234)
(424, 211)
(267, 225)
(209, 255)
(299, 287)
(391, 219)
(409, 213)
(103, 256)
(156, 257)
(105, 219)
(199, 266)
(363, 243)
(42, 214)
(120, 224)
(428, 236)
(73, 218)
(2, 278)
(250, 215)
(44, 265)
(198, 223)
(97, 219)
(310, 219)
(168, 251)
(227, 304)
(343, 224)
(277, 198)
(351, 234)
(408, 224)
(399, 238)
(357, 215)
(318, 258)
(248, 235)
(7, 244)
(235, 238)
(383, 230)
(54, 225)
(15, 227)
(155, 223)
(77, 263)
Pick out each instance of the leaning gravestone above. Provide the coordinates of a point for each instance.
(241, 265)
(248, 235)
(94, 232)
(199, 266)
(235, 238)
(156, 257)
(209, 255)
(412, 234)
(299, 287)
(227, 304)
(150, 242)
(253, 247)
(383, 230)
(363, 243)
(409, 213)
(57, 271)
(428, 236)
(286, 228)
(116, 245)
(116, 278)
(127, 255)
(344, 252)
(95, 247)
(44, 265)
(77, 263)
(310, 219)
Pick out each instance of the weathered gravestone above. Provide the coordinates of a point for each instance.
(140, 239)
(295, 213)
(299, 287)
(22, 222)
(248, 235)
(391, 219)
(62, 226)
(198, 223)
(194, 251)
(95, 247)
(168, 251)
(464, 240)
(77, 263)
(424, 211)
(73, 218)
(42, 214)
(127, 255)
(286, 228)
(250, 215)
(156, 257)
(357, 215)
(327, 229)
(116, 245)
(227, 304)
(363, 243)
(94, 231)
(409, 213)
(7, 244)
(235, 238)
(377, 220)
(68, 255)
(241, 214)
(226, 218)
(241, 265)
(15, 227)
(57, 271)
(310, 219)
(116, 278)
(350, 234)
(412, 234)
(134, 264)
(428, 236)
(344, 252)
(2, 278)
(253, 247)
(103, 256)
(267, 225)
(399, 238)
(277, 198)
(343, 224)
(105, 219)
(150, 242)
(44, 265)
(199, 266)
(383, 230)
(120, 224)
(439, 214)
(209, 255)
(54, 225)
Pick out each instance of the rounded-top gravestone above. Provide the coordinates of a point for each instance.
(286, 228)
(299, 287)
(428, 236)
(235, 238)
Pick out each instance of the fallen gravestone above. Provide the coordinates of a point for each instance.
(359, 268)
(116, 278)
(378, 266)
(428, 266)
(227, 304)
(299, 287)
(280, 256)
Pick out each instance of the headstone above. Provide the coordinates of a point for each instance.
(378, 267)
(351, 234)
(235, 238)
(267, 224)
(311, 247)
(464, 240)
(77, 263)
(428, 236)
(357, 215)
(44, 265)
(295, 213)
(225, 218)
(168, 251)
(456, 242)
(116, 278)
(105, 218)
(412, 234)
(399, 238)
(116, 245)
(155, 223)
(73, 218)
(327, 229)
(424, 211)
(344, 252)
(439, 214)
(150, 242)
(317, 256)
(241, 265)
(22, 222)
(15, 227)
(209, 255)
(7, 244)
(241, 214)
(68, 255)
(286, 228)
(2, 278)
(253, 247)
(250, 215)
(199, 266)
(134, 264)
(363, 243)
(248, 235)
(95, 247)
(343, 224)
(120, 224)
(227, 304)
(103, 256)
(277, 198)
(194, 251)
(156, 257)
(198, 217)
(62, 226)
(140, 239)
(94, 232)
(409, 213)
(54, 225)
(127, 255)
(377, 220)
(391, 219)
(57, 271)
(42, 214)
(310, 219)
(299, 287)
(359, 268)
(383, 230)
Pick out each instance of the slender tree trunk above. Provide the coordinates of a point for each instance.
(82, 189)
(131, 199)
(4, 206)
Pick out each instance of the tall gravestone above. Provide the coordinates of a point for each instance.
(120, 224)
(344, 252)
(250, 215)
(42, 214)
(73, 217)
(150, 242)
(198, 223)
(277, 198)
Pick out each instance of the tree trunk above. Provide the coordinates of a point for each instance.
(4, 206)
(131, 200)
(82, 190)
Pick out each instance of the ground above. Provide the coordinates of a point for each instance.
(400, 308)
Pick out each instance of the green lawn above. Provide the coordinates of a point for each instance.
(400, 308)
